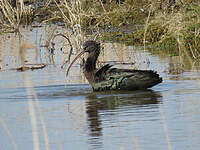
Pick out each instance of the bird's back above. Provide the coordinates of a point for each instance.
(108, 78)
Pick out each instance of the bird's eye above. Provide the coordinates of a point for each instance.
(85, 47)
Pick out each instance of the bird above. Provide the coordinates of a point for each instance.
(109, 78)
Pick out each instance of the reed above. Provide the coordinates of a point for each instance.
(163, 26)
(161, 22)
(182, 28)
(14, 13)
(112, 14)
(24, 46)
(5, 127)
(32, 99)
(71, 12)
(12, 16)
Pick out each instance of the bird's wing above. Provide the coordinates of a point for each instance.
(101, 72)
(114, 78)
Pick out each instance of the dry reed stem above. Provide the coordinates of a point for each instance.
(3, 123)
(72, 12)
(47, 20)
(7, 11)
(49, 36)
(70, 44)
(59, 140)
(183, 49)
(47, 3)
(163, 118)
(62, 12)
(137, 144)
(146, 26)
(12, 16)
(106, 13)
(46, 139)
(23, 50)
(32, 113)
(30, 91)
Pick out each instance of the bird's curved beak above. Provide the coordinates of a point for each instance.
(77, 56)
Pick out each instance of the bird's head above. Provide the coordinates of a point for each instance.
(89, 46)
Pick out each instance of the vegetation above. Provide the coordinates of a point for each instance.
(167, 25)
(174, 31)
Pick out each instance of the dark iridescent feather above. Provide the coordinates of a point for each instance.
(108, 78)
(125, 79)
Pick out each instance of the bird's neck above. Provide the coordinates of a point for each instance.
(90, 67)
(90, 64)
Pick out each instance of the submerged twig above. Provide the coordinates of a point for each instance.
(70, 44)
(31, 67)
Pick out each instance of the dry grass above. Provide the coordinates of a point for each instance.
(163, 29)
(71, 13)
(164, 24)
(112, 14)
(184, 27)
(12, 17)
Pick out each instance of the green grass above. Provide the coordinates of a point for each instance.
(166, 31)
(154, 24)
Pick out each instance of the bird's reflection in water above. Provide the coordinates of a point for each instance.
(114, 100)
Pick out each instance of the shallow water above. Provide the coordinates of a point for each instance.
(42, 109)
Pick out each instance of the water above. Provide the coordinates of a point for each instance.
(42, 109)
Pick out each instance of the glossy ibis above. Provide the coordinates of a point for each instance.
(109, 78)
